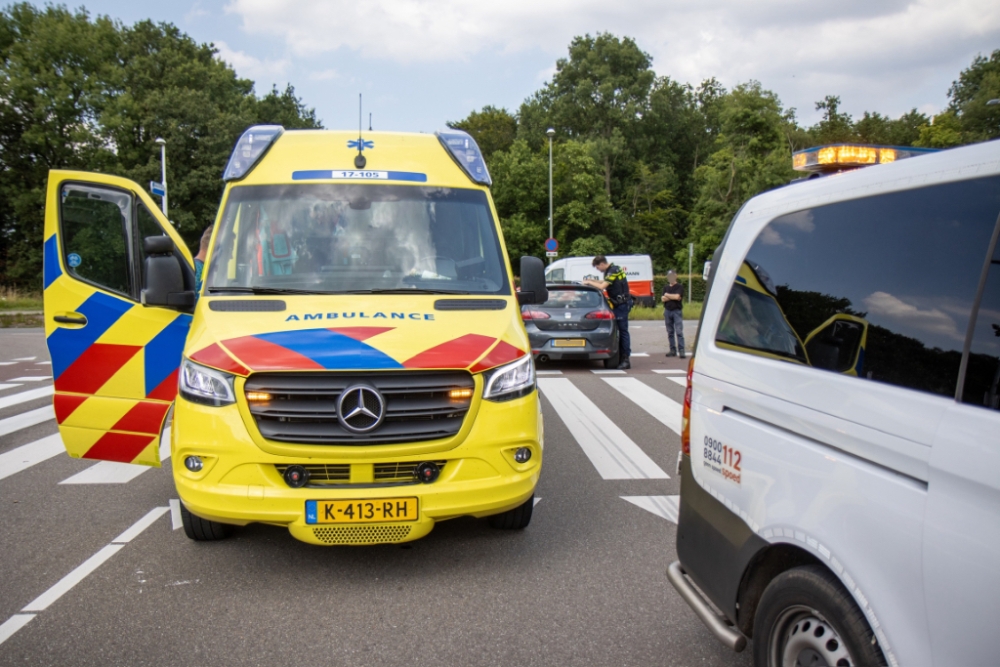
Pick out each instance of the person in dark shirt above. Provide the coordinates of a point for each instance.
(616, 285)
(673, 314)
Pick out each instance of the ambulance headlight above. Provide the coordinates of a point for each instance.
(511, 381)
(465, 151)
(200, 384)
(250, 149)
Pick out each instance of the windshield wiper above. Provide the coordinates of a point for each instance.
(265, 290)
(405, 290)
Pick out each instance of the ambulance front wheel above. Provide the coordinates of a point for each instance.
(202, 530)
(515, 519)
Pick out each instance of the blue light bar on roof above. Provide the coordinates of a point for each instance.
(465, 151)
(250, 149)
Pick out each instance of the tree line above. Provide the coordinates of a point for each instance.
(646, 164)
(92, 94)
(642, 163)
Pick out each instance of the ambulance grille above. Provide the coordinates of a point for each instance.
(303, 406)
(361, 534)
(338, 474)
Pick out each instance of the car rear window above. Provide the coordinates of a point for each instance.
(573, 298)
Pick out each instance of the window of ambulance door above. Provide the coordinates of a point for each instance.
(94, 226)
(982, 375)
(906, 262)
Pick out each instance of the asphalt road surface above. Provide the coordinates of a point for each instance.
(95, 569)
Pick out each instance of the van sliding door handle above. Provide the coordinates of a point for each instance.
(70, 319)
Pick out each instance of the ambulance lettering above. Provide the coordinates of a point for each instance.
(723, 460)
(427, 317)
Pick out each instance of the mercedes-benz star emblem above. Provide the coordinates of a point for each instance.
(360, 408)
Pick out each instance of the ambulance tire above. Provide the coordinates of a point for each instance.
(202, 530)
(807, 612)
(515, 519)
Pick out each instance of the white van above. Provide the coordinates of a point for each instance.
(840, 464)
(638, 270)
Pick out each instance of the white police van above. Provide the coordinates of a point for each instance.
(840, 465)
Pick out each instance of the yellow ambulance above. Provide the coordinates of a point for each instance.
(354, 368)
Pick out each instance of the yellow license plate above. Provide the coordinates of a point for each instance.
(372, 510)
(569, 342)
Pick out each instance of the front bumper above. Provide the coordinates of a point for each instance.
(240, 483)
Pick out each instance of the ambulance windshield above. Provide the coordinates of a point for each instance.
(341, 238)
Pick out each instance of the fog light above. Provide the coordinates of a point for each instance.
(522, 455)
(193, 463)
(427, 472)
(296, 476)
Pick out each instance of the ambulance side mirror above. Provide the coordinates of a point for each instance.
(163, 283)
(532, 282)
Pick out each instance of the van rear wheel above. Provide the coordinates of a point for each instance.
(515, 519)
(203, 530)
(806, 617)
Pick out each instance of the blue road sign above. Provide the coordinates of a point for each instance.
(157, 188)
(551, 245)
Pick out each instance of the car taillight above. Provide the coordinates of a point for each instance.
(600, 315)
(534, 315)
(686, 413)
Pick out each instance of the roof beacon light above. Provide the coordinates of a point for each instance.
(465, 151)
(250, 149)
(838, 157)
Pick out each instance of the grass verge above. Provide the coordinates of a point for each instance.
(14, 299)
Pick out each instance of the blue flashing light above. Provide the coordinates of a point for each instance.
(250, 149)
(465, 151)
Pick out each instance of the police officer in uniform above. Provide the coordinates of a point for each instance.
(616, 285)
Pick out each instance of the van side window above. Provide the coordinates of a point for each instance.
(556, 275)
(982, 376)
(94, 222)
(880, 288)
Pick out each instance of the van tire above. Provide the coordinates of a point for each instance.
(811, 600)
(515, 519)
(203, 530)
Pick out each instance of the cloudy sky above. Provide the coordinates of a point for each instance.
(420, 63)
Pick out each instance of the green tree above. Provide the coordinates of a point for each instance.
(493, 129)
(976, 85)
(835, 127)
(944, 131)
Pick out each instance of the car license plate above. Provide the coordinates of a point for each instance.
(371, 510)
(569, 342)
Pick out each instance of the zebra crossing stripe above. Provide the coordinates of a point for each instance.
(663, 408)
(25, 396)
(682, 381)
(613, 454)
(25, 456)
(665, 507)
(26, 419)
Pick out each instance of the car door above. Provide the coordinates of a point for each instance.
(114, 360)
(962, 526)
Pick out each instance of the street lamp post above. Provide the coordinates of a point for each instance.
(551, 133)
(163, 171)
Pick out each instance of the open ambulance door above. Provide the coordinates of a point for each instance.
(114, 359)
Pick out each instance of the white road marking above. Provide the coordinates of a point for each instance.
(25, 358)
(665, 507)
(13, 624)
(32, 378)
(606, 372)
(640, 354)
(613, 454)
(25, 456)
(64, 585)
(25, 396)
(142, 524)
(175, 513)
(8, 386)
(107, 472)
(682, 381)
(113, 472)
(7, 363)
(670, 371)
(43, 363)
(664, 408)
(537, 500)
(548, 372)
(26, 419)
